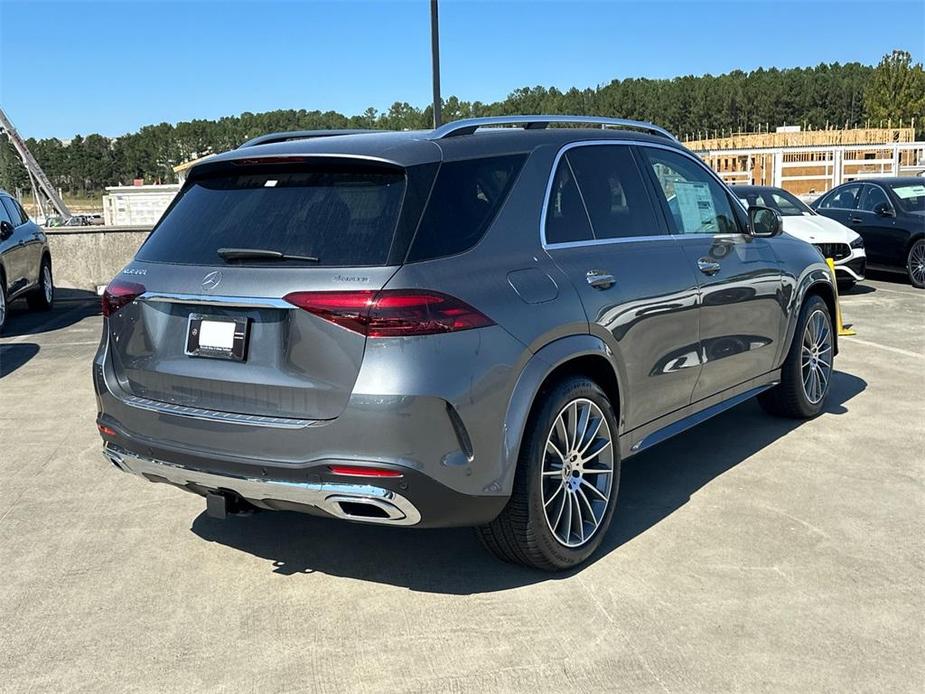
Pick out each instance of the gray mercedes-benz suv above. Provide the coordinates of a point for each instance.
(469, 326)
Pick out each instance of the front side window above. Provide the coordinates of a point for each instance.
(16, 214)
(873, 196)
(4, 215)
(845, 198)
(613, 192)
(697, 202)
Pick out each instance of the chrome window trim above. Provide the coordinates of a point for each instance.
(625, 239)
(218, 300)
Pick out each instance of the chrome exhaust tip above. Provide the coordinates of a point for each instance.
(363, 509)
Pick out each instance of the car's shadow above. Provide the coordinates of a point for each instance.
(16, 355)
(654, 484)
(71, 306)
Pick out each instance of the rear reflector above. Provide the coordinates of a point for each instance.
(105, 430)
(120, 293)
(357, 471)
(391, 312)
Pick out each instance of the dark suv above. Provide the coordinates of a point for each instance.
(25, 261)
(469, 326)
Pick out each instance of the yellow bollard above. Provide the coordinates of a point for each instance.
(840, 327)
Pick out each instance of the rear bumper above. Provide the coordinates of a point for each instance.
(411, 500)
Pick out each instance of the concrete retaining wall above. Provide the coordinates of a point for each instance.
(85, 257)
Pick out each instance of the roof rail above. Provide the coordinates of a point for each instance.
(467, 126)
(271, 138)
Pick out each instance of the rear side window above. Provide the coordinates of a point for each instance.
(566, 218)
(465, 199)
(613, 192)
(342, 217)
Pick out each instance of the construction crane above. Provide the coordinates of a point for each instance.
(43, 192)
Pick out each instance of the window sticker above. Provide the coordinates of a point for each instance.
(913, 191)
(695, 205)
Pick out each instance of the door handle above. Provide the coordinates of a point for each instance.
(600, 280)
(856, 220)
(707, 266)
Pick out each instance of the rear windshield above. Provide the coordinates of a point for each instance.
(342, 218)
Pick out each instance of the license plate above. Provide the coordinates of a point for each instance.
(216, 337)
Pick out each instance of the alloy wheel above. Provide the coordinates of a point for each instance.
(2, 305)
(577, 472)
(47, 285)
(917, 263)
(816, 357)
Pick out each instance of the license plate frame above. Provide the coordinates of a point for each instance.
(235, 351)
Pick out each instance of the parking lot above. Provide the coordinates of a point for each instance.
(750, 554)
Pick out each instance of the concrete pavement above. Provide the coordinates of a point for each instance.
(751, 554)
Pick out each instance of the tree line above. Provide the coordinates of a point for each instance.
(828, 95)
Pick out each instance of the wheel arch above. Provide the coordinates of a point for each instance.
(573, 355)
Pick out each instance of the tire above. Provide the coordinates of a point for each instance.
(915, 264)
(42, 298)
(524, 533)
(802, 395)
(4, 306)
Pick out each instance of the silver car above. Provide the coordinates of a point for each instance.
(25, 261)
(468, 326)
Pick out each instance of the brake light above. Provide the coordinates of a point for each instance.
(357, 471)
(391, 312)
(120, 293)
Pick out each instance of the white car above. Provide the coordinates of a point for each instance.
(835, 240)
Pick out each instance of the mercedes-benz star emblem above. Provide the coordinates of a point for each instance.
(212, 280)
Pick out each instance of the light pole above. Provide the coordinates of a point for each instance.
(435, 61)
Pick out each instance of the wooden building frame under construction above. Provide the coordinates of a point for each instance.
(808, 162)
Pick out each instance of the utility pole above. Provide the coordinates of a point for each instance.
(435, 62)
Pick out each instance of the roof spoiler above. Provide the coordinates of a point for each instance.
(468, 126)
(271, 138)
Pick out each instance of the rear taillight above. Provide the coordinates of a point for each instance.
(119, 293)
(391, 312)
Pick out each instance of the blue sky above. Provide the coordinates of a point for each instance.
(82, 67)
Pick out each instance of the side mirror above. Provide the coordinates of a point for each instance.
(764, 222)
(883, 209)
(6, 230)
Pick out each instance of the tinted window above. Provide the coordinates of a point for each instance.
(16, 214)
(613, 192)
(342, 217)
(4, 215)
(844, 198)
(698, 203)
(873, 196)
(566, 218)
(465, 199)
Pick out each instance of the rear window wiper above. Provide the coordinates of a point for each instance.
(232, 254)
